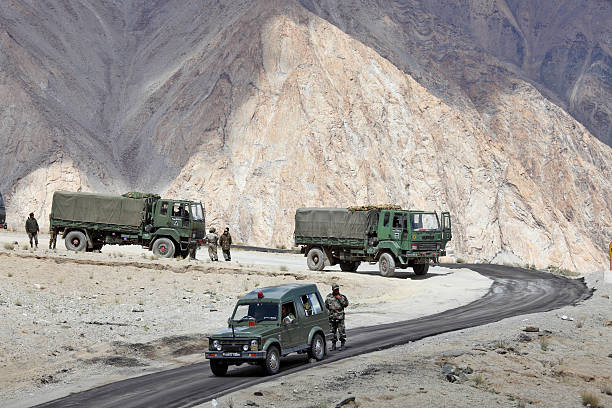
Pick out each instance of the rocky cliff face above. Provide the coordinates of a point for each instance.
(258, 108)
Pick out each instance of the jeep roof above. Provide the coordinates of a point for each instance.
(279, 293)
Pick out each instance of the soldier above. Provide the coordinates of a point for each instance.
(225, 240)
(52, 238)
(335, 304)
(31, 227)
(211, 239)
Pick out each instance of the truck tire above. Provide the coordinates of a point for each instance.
(315, 259)
(75, 241)
(317, 348)
(219, 368)
(420, 269)
(386, 265)
(163, 247)
(272, 362)
(349, 266)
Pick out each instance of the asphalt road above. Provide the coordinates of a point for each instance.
(514, 292)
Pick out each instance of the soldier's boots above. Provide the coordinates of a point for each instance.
(333, 346)
(342, 346)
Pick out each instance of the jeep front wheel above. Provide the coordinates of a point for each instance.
(315, 259)
(272, 363)
(75, 241)
(163, 247)
(219, 368)
(386, 265)
(317, 347)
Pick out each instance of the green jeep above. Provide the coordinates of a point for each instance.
(269, 323)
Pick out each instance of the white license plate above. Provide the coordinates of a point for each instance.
(231, 354)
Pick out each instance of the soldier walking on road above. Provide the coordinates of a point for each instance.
(212, 239)
(31, 227)
(225, 240)
(335, 303)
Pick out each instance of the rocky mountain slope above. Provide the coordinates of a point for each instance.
(260, 107)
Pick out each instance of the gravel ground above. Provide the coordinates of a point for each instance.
(73, 321)
(567, 363)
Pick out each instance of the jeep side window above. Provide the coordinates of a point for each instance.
(386, 221)
(311, 304)
(164, 208)
(288, 312)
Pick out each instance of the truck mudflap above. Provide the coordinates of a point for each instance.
(237, 355)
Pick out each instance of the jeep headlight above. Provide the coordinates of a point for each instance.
(216, 345)
(254, 345)
(245, 347)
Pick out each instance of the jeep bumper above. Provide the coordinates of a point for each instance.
(235, 355)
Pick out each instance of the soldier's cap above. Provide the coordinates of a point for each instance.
(31, 214)
(335, 286)
(227, 228)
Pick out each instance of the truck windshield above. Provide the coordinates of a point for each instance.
(196, 211)
(424, 222)
(256, 311)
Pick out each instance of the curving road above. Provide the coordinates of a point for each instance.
(514, 292)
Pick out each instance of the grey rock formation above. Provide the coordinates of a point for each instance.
(260, 107)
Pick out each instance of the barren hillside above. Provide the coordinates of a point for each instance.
(260, 107)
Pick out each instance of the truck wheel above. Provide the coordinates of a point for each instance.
(349, 266)
(317, 348)
(163, 247)
(420, 269)
(272, 363)
(219, 368)
(315, 259)
(75, 241)
(386, 265)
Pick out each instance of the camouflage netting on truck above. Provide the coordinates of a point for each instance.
(375, 207)
(97, 208)
(333, 222)
(139, 195)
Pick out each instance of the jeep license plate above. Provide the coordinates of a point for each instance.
(231, 354)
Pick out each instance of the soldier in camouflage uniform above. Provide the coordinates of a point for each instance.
(335, 303)
(31, 227)
(225, 240)
(212, 239)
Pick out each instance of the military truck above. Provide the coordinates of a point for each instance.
(88, 221)
(269, 323)
(2, 213)
(393, 237)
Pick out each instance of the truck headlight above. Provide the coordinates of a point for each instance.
(254, 345)
(245, 347)
(216, 345)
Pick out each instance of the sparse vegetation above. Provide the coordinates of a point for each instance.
(10, 274)
(479, 379)
(283, 268)
(321, 405)
(561, 271)
(91, 275)
(580, 322)
(589, 399)
(18, 302)
(460, 260)
(9, 246)
(141, 302)
(607, 388)
(281, 247)
(128, 277)
(544, 343)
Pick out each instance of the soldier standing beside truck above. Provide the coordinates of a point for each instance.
(212, 239)
(335, 303)
(225, 240)
(31, 227)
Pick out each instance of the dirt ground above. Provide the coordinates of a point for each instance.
(73, 321)
(567, 363)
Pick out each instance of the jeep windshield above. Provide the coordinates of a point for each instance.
(256, 311)
(424, 222)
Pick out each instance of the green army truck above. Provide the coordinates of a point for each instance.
(88, 221)
(2, 213)
(393, 237)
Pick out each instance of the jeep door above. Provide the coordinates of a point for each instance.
(290, 330)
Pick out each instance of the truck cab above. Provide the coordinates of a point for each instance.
(270, 323)
(175, 225)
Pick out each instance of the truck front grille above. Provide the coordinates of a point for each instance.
(427, 246)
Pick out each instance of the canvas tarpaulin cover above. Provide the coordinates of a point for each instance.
(333, 222)
(97, 208)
